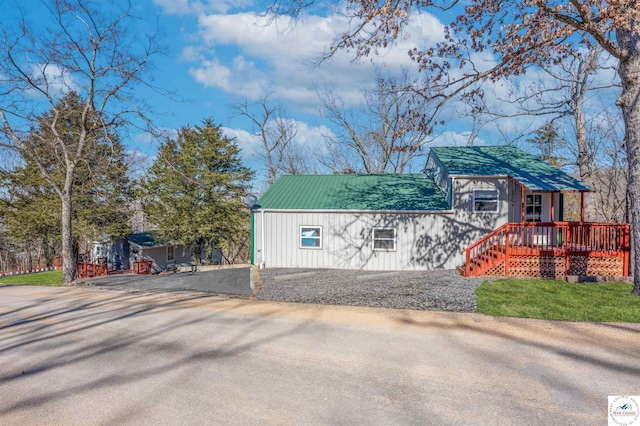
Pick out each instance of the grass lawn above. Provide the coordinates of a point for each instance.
(49, 278)
(559, 300)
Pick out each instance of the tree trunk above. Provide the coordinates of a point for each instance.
(69, 267)
(584, 163)
(629, 102)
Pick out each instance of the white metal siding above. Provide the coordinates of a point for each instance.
(425, 241)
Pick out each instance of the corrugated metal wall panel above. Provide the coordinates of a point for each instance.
(424, 241)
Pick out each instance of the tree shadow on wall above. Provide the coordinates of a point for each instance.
(436, 238)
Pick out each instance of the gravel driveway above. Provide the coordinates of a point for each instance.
(430, 290)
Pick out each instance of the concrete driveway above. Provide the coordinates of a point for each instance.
(234, 281)
(89, 356)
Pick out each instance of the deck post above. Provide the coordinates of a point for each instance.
(581, 207)
(567, 251)
(506, 251)
(522, 213)
(467, 264)
(627, 248)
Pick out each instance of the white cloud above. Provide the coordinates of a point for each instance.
(276, 58)
(191, 54)
(453, 138)
(212, 74)
(190, 7)
(312, 138)
(53, 79)
(158, 136)
(241, 78)
(247, 142)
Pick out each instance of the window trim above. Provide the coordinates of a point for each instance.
(173, 252)
(319, 238)
(494, 190)
(533, 206)
(394, 239)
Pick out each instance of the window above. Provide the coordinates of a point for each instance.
(311, 237)
(533, 208)
(384, 239)
(485, 200)
(171, 254)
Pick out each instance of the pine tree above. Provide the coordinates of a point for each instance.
(549, 144)
(195, 187)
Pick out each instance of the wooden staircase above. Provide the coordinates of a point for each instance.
(485, 254)
(550, 249)
(487, 260)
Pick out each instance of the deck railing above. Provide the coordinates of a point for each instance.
(550, 238)
(90, 270)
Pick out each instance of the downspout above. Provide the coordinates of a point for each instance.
(262, 239)
(252, 242)
(452, 192)
(522, 213)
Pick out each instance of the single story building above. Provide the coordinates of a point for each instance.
(438, 219)
(164, 253)
(120, 254)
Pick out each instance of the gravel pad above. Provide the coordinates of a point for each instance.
(429, 290)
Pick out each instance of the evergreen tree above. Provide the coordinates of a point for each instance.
(195, 187)
(30, 212)
(549, 144)
(101, 190)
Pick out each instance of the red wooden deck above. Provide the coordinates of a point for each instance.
(554, 249)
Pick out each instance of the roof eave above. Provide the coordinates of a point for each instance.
(460, 176)
(272, 210)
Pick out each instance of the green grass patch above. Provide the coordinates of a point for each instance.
(559, 300)
(49, 278)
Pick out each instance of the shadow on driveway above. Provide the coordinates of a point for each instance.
(235, 281)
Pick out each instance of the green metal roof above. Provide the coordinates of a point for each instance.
(529, 170)
(394, 192)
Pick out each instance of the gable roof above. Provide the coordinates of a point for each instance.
(390, 192)
(529, 170)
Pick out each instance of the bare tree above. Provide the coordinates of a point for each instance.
(608, 173)
(380, 137)
(76, 46)
(565, 95)
(277, 134)
(564, 99)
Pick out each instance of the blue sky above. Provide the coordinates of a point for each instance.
(220, 51)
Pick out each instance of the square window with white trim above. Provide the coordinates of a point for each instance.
(485, 200)
(384, 239)
(311, 237)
